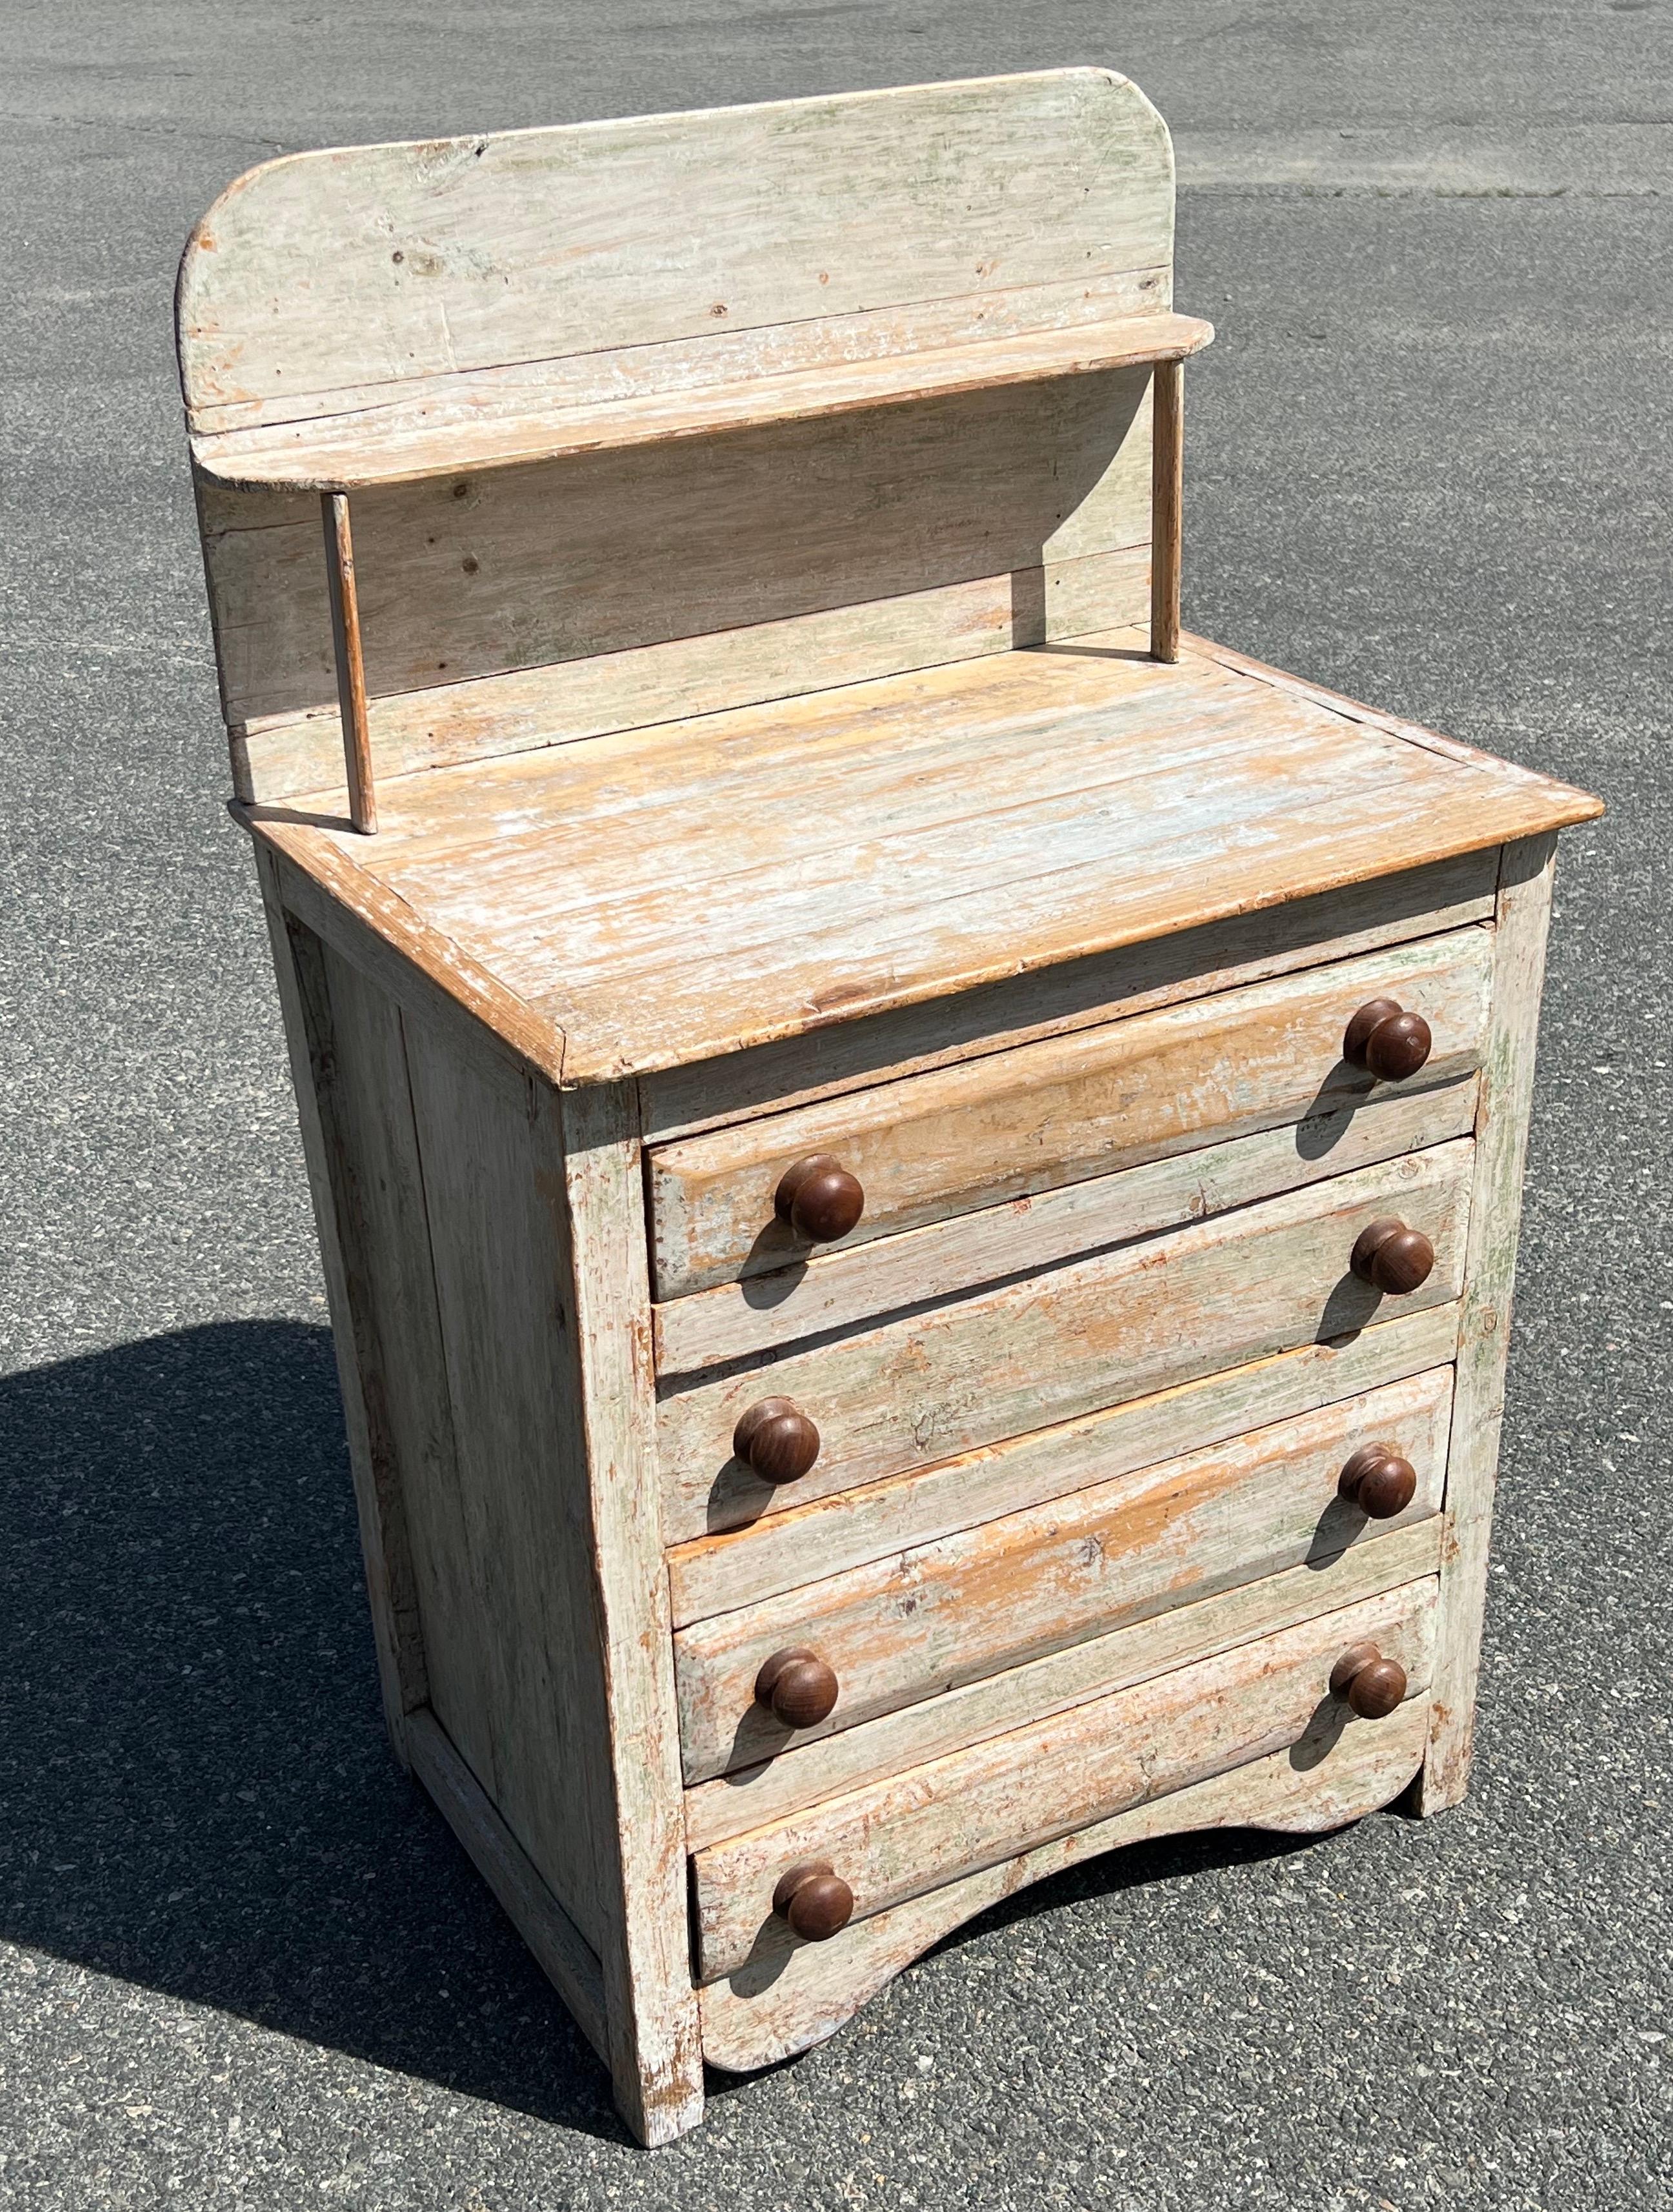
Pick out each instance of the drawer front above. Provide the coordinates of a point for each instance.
(1052, 1346)
(951, 1816)
(1019, 1122)
(829, 1766)
(946, 1614)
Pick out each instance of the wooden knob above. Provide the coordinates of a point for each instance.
(797, 1686)
(820, 1199)
(1384, 1037)
(1393, 1257)
(776, 1438)
(1373, 1685)
(1378, 1481)
(817, 1902)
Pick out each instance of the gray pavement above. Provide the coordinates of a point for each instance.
(1429, 464)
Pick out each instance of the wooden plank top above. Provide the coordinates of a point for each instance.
(671, 894)
(491, 422)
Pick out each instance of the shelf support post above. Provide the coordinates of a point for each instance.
(1166, 496)
(350, 664)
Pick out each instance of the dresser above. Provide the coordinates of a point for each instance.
(917, 1170)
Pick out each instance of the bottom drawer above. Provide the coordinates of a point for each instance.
(934, 1823)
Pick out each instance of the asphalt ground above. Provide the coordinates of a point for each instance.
(1429, 465)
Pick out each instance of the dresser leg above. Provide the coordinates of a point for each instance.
(1501, 1136)
(655, 2053)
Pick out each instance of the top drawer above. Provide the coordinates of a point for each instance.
(1017, 1122)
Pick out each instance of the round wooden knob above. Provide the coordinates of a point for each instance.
(817, 1902)
(1393, 1258)
(797, 1686)
(1378, 1481)
(1373, 1685)
(776, 1438)
(819, 1198)
(1384, 1037)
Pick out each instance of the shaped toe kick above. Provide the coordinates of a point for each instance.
(1306, 1730)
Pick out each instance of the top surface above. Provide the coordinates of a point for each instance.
(677, 893)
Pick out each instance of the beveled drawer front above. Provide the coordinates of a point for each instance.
(899, 1837)
(1061, 1111)
(1013, 1589)
(1052, 1346)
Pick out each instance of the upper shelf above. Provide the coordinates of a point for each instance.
(483, 424)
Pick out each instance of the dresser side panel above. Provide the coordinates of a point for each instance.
(516, 1677)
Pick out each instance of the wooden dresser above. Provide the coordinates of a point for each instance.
(917, 1175)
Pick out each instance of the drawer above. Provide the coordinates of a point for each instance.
(918, 1830)
(1051, 1347)
(946, 1614)
(1061, 1111)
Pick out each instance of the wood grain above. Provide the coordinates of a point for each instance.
(897, 1838)
(486, 426)
(282, 756)
(826, 1062)
(655, 2052)
(516, 1675)
(832, 1765)
(1049, 1348)
(1000, 493)
(1167, 508)
(717, 356)
(326, 272)
(415, 966)
(808, 1542)
(1416, 733)
(923, 1622)
(347, 1068)
(1501, 1130)
(563, 1954)
(344, 597)
(761, 2015)
(622, 891)
(1013, 1125)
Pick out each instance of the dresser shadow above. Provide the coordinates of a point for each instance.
(198, 1797)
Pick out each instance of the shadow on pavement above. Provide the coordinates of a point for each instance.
(197, 1789)
(196, 1793)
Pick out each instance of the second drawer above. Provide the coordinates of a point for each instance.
(948, 1612)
